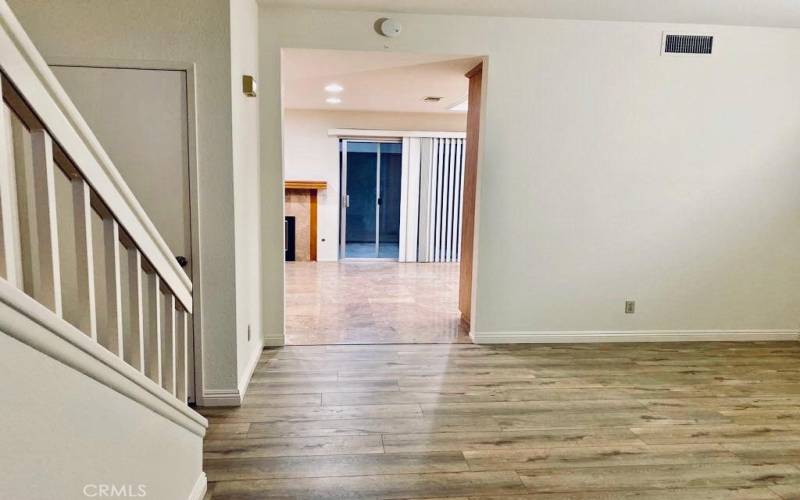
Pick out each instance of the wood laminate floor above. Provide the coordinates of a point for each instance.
(372, 303)
(550, 422)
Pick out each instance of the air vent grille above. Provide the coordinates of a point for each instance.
(688, 44)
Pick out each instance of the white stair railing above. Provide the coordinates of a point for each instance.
(72, 235)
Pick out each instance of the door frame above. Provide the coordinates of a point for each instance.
(343, 141)
(189, 68)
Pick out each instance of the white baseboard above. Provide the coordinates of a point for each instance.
(233, 397)
(244, 382)
(200, 487)
(275, 340)
(221, 397)
(556, 337)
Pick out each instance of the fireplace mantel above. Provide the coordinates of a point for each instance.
(312, 187)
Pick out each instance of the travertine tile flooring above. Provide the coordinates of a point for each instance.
(594, 421)
(372, 303)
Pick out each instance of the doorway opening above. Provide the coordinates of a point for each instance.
(376, 169)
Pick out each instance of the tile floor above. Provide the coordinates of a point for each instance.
(367, 251)
(372, 303)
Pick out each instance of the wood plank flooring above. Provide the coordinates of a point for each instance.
(550, 422)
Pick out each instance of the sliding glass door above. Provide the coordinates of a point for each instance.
(371, 185)
(360, 210)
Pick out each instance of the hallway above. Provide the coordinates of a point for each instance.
(592, 421)
(372, 303)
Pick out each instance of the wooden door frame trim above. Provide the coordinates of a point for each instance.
(477, 69)
(194, 192)
(312, 215)
(468, 319)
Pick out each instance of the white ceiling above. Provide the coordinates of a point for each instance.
(374, 81)
(779, 13)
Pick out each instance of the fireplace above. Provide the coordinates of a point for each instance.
(301, 204)
(289, 238)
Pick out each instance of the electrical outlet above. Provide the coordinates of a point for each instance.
(630, 306)
(248, 333)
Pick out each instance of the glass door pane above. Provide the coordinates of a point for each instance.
(391, 171)
(361, 207)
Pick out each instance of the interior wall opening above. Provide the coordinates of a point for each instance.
(375, 153)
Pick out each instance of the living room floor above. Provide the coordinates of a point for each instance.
(374, 302)
(552, 422)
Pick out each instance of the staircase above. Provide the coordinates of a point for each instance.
(94, 310)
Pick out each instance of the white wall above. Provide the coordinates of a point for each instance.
(311, 154)
(244, 110)
(190, 31)
(607, 171)
(77, 432)
(76, 415)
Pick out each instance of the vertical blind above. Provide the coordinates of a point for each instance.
(440, 202)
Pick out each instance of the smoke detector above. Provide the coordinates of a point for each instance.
(389, 27)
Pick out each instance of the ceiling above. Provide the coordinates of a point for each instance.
(374, 81)
(778, 13)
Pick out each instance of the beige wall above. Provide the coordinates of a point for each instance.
(188, 31)
(311, 154)
(244, 61)
(607, 171)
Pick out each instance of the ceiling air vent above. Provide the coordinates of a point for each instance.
(432, 99)
(688, 44)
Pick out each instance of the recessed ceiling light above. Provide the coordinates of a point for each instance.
(333, 87)
(333, 100)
